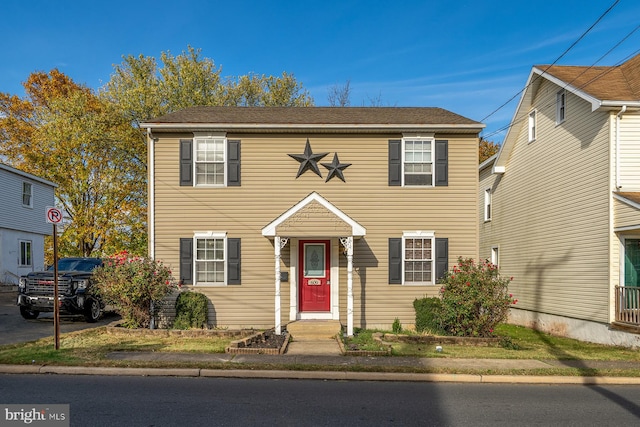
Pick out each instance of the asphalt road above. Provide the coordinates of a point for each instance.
(15, 329)
(170, 401)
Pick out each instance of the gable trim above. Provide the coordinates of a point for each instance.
(356, 229)
(626, 201)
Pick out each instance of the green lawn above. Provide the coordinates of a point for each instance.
(518, 343)
(89, 348)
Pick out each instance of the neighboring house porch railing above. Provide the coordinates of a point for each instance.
(628, 305)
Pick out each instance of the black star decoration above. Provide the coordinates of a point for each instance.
(308, 160)
(336, 168)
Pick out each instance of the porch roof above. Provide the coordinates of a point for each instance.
(313, 216)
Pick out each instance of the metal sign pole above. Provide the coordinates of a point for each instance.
(56, 300)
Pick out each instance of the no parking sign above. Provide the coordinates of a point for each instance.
(54, 215)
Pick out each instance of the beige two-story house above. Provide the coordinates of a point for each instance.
(559, 205)
(280, 214)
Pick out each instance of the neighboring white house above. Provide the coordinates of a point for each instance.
(23, 226)
(560, 203)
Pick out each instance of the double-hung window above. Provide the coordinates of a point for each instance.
(418, 257)
(209, 160)
(532, 126)
(487, 204)
(561, 99)
(210, 157)
(27, 194)
(25, 253)
(495, 255)
(418, 161)
(210, 259)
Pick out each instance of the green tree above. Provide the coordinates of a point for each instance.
(144, 90)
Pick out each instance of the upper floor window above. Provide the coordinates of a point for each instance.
(27, 194)
(487, 204)
(418, 162)
(561, 99)
(209, 160)
(532, 125)
(25, 253)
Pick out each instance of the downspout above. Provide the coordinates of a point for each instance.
(151, 201)
(150, 215)
(618, 118)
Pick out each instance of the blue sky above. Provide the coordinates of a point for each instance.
(468, 56)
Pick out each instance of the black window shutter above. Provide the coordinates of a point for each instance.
(442, 163)
(186, 162)
(186, 260)
(442, 257)
(395, 261)
(395, 162)
(233, 261)
(233, 163)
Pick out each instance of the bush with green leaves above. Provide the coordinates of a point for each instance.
(427, 314)
(396, 327)
(191, 310)
(135, 286)
(474, 298)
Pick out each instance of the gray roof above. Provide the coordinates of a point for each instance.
(313, 117)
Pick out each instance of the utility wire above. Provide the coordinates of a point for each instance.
(554, 62)
(585, 84)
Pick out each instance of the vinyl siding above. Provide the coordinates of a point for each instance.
(269, 188)
(15, 216)
(626, 215)
(551, 212)
(630, 152)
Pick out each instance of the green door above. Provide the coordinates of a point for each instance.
(632, 271)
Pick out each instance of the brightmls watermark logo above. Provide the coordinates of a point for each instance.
(34, 415)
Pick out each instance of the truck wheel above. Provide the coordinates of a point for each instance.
(93, 311)
(29, 314)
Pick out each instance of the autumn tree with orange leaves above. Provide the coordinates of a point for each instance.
(64, 132)
(486, 149)
(91, 145)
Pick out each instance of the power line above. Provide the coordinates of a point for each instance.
(582, 86)
(554, 62)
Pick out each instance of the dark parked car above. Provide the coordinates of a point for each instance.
(35, 291)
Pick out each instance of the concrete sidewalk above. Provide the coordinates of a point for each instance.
(320, 360)
(329, 368)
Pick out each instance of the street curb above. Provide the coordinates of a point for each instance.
(317, 375)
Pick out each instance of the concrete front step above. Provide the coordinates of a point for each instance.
(313, 330)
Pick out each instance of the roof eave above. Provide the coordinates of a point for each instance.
(477, 127)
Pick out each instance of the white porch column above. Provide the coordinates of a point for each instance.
(347, 242)
(279, 243)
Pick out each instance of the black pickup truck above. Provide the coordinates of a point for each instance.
(35, 290)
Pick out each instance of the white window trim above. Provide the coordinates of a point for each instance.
(30, 243)
(423, 235)
(208, 235)
(487, 203)
(561, 106)
(22, 193)
(203, 136)
(532, 125)
(495, 255)
(418, 137)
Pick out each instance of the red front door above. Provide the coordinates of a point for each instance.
(314, 277)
